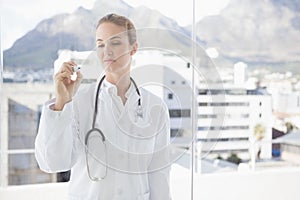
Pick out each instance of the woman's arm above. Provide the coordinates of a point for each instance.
(54, 141)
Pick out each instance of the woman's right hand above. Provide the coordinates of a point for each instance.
(65, 88)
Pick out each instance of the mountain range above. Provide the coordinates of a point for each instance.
(260, 33)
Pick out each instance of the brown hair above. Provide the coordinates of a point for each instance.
(120, 21)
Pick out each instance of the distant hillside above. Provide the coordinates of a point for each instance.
(263, 33)
(38, 48)
(266, 31)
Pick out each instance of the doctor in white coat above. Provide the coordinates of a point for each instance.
(128, 158)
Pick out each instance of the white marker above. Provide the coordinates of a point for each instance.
(74, 75)
(76, 68)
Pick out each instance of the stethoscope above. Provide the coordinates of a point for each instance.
(139, 113)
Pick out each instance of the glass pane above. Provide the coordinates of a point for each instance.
(240, 143)
(163, 65)
(168, 76)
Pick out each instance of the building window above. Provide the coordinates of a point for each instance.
(202, 92)
(202, 104)
(176, 132)
(223, 103)
(223, 139)
(222, 128)
(170, 96)
(207, 116)
(176, 113)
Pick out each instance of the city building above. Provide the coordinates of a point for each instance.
(241, 111)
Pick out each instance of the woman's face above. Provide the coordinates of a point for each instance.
(113, 47)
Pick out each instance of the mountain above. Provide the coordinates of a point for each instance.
(38, 48)
(260, 32)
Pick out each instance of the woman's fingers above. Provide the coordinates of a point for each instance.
(67, 66)
(61, 76)
(64, 85)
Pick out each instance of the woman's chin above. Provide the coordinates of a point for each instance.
(116, 69)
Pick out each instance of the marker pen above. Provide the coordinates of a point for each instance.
(76, 68)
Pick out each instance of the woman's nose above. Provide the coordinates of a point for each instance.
(108, 50)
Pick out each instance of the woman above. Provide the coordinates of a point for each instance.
(128, 157)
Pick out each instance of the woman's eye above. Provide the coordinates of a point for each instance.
(115, 42)
(100, 45)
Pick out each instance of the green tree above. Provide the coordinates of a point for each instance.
(259, 134)
(234, 158)
(289, 127)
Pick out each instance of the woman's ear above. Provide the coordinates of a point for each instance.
(134, 49)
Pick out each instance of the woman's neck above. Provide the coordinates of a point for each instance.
(122, 82)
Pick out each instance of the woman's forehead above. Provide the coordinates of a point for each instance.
(107, 31)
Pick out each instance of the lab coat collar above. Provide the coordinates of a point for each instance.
(111, 89)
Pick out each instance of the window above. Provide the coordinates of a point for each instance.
(176, 132)
(202, 92)
(207, 116)
(202, 128)
(223, 104)
(177, 113)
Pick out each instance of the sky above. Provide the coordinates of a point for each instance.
(20, 16)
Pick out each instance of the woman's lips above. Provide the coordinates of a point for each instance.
(109, 61)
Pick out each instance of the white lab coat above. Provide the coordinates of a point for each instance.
(134, 172)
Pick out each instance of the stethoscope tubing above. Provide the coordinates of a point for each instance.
(94, 129)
